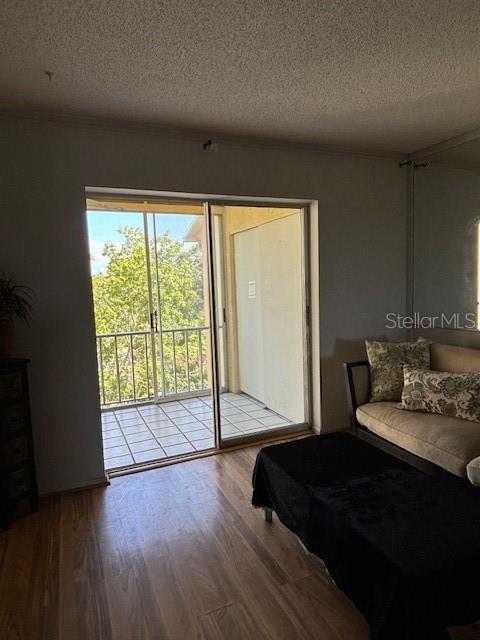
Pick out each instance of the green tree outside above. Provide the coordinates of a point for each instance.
(121, 305)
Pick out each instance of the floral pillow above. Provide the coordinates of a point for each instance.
(386, 360)
(449, 394)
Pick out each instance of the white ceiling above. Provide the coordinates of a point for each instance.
(380, 75)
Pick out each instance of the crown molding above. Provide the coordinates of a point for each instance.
(450, 143)
(197, 135)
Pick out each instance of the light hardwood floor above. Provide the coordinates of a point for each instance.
(168, 554)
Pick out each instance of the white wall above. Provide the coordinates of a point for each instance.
(281, 251)
(43, 243)
(270, 317)
(249, 313)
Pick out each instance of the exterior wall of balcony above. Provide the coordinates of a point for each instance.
(236, 219)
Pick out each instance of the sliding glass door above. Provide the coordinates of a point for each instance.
(150, 280)
(260, 320)
(201, 310)
(179, 301)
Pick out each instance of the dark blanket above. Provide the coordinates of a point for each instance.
(404, 546)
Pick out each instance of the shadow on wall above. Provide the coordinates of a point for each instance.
(334, 399)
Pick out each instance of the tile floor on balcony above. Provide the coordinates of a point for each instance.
(137, 435)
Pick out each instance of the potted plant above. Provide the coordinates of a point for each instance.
(15, 304)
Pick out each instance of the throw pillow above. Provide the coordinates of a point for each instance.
(386, 360)
(449, 394)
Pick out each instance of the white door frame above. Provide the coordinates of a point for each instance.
(311, 277)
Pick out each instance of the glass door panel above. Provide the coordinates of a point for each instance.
(150, 279)
(119, 267)
(261, 320)
(180, 301)
(179, 277)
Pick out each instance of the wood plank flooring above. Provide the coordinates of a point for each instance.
(168, 554)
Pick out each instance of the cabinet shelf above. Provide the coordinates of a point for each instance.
(17, 465)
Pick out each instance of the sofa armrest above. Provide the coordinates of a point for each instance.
(352, 403)
(473, 471)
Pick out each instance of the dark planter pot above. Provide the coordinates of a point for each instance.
(6, 339)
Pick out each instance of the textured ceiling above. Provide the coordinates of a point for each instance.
(387, 75)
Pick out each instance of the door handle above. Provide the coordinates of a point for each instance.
(154, 321)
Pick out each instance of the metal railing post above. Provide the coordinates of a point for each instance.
(147, 370)
(200, 358)
(102, 382)
(174, 362)
(133, 367)
(118, 370)
(188, 360)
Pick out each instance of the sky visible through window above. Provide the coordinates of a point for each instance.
(103, 228)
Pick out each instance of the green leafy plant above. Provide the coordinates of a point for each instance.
(120, 295)
(15, 300)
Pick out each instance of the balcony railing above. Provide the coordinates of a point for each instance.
(132, 366)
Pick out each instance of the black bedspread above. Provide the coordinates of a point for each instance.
(404, 546)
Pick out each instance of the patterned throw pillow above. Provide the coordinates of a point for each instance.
(386, 360)
(449, 394)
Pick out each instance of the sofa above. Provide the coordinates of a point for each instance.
(431, 441)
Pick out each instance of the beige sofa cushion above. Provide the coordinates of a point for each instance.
(473, 471)
(447, 357)
(449, 442)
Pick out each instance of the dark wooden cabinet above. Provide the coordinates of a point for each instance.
(17, 465)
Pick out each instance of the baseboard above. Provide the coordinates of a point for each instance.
(94, 484)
